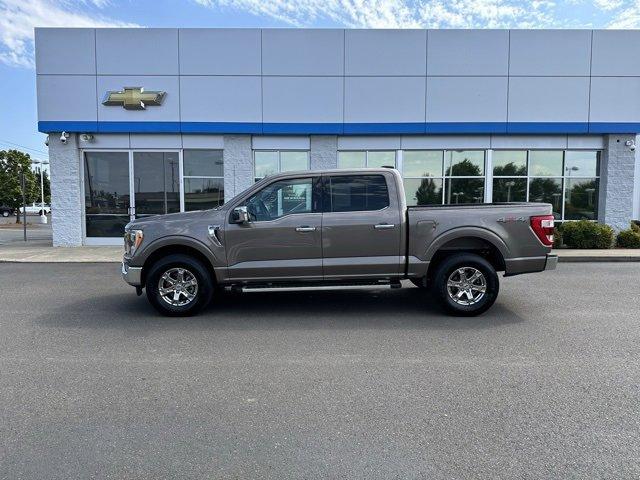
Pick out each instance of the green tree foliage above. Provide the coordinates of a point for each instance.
(427, 194)
(12, 162)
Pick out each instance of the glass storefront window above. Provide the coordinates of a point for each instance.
(266, 163)
(381, 159)
(269, 162)
(465, 163)
(464, 190)
(291, 161)
(423, 191)
(156, 182)
(203, 163)
(371, 159)
(203, 193)
(547, 190)
(352, 159)
(106, 193)
(509, 189)
(422, 163)
(581, 163)
(545, 163)
(509, 163)
(581, 199)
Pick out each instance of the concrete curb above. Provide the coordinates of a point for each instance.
(594, 259)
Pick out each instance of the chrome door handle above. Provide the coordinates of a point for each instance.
(305, 228)
(384, 226)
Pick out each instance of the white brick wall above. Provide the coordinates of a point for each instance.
(617, 182)
(66, 198)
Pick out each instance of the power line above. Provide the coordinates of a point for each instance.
(23, 146)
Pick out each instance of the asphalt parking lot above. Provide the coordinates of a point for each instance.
(354, 384)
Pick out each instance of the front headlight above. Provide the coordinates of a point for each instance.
(132, 240)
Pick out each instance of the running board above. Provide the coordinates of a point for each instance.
(321, 286)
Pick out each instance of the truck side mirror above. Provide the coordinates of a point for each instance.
(240, 215)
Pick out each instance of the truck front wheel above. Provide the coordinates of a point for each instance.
(178, 285)
(466, 284)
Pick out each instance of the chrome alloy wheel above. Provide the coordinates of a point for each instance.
(466, 285)
(178, 287)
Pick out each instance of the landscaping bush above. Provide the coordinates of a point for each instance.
(557, 236)
(587, 234)
(629, 238)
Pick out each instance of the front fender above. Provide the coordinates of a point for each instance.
(141, 257)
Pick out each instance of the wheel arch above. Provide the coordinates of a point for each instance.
(468, 240)
(176, 245)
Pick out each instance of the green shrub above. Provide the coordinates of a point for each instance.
(587, 234)
(635, 226)
(557, 236)
(629, 238)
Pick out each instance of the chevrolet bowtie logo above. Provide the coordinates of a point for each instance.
(133, 98)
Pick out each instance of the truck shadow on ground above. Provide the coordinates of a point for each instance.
(407, 308)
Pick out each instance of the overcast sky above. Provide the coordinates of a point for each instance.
(19, 17)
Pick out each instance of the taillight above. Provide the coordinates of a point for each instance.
(542, 226)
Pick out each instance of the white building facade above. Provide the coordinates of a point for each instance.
(166, 120)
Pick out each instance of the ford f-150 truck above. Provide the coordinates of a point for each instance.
(335, 227)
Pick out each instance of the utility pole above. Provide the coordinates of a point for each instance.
(24, 204)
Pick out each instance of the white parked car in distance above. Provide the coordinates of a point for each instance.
(36, 209)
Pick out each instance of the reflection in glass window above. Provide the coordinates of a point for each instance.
(509, 163)
(423, 191)
(203, 193)
(425, 163)
(378, 159)
(581, 163)
(266, 163)
(545, 163)
(285, 197)
(203, 179)
(156, 182)
(291, 161)
(465, 163)
(547, 190)
(106, 193)
(464, 190)
(581, 199)
(352, 159)
(203, 163)
(352, 193)
(509, 189)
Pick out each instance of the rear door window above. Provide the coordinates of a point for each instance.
(356, 193)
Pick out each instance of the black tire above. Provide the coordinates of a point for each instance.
(189, 265)
(470, 262)
(5, 213)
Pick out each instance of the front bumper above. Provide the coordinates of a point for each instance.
(132, 275)
(552, 262)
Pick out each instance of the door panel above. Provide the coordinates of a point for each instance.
(361, 238)
(283, 239)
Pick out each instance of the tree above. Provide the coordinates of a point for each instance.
(12, 162)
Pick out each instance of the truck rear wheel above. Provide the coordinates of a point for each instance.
(466, 284)
(179, 285)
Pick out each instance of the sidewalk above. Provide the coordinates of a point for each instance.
(18, 252)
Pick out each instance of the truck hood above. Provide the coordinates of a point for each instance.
(174, 220)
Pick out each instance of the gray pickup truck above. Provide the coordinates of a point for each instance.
(335, 227)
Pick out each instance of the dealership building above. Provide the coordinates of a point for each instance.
(152, 121)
